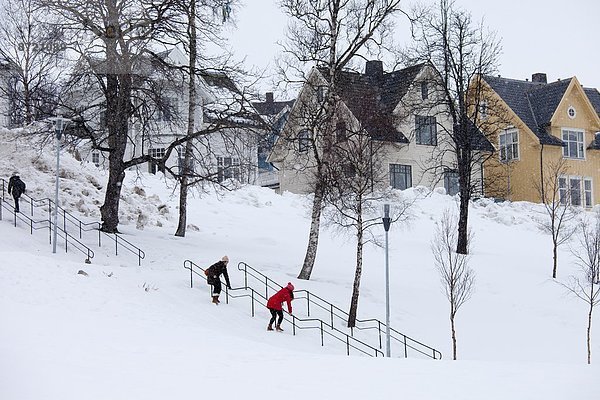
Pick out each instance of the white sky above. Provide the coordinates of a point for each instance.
(556, 37)
(65, 336)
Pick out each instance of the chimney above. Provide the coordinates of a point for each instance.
(539, 77)
(269, 96)
(374, 69)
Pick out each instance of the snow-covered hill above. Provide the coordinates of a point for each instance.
(128, 332)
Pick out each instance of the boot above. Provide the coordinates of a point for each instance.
(270, 327)
(278, 328)
(215, 299)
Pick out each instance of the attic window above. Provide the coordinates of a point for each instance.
(571, 112)
(424, 90)
(303, 141)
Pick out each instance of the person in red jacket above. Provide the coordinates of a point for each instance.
(275, 305)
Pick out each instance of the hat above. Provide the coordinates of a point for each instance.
(225, 258)
(15, 173)
(290, 287)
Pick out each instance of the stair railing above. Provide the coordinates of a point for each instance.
(335, 313)
(68, 220)
(350, 343)
(70, 241)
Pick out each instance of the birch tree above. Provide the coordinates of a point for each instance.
(328, 34)
(456, 276)
(462, 52)
(586, 286)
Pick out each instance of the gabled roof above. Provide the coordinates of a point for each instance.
(271, 107)
(536, 102)
(373, 98)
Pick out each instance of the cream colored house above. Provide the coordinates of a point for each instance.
(549, 124)
(403, 109)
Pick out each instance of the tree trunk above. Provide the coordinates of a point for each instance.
(191, 122)
(589, 331)
(554, 258)
(313, 237)
(453, 336)
(462, 246)
(118, 108)
(357, 275)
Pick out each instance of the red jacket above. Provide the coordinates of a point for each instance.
(276, 301)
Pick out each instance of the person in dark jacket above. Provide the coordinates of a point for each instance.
(213, 277)
(275, 305)
(16, 187)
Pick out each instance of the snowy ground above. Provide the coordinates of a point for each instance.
(103, 336)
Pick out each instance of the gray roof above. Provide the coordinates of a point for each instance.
(271, 107)
(535, 102)
(373, 99)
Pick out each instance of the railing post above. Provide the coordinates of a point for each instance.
(116, 245)
(245, 275)
(331, 315)
(379, 332)
(252, 290)
(266, 287)
(139, 257)
(191, 276)
(322, 343)
(80, 231)
(308, 303)
(1, 205)
(347, 345)
(405, 348)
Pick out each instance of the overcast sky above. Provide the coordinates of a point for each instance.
(560, 38)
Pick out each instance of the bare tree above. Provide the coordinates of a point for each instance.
(462, 52)
(201, 26)
(559, 214)
(357, 187)
(586, 286)
(457, 277)
(327, 34)
(31, 49)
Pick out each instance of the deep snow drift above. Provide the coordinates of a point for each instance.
(129, 332)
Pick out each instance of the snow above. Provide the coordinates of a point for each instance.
(129, 332)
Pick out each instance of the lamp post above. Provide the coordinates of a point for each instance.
(59, 126)
(386, 225)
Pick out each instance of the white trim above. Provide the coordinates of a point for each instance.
(576, 130)
(582, 191)
(505, 132)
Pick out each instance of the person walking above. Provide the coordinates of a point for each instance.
(213, 277)
(16, 187)
(275, 305)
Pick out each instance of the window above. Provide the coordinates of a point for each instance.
(228, 168)
(340, 132)
(349, 171)
(587, 193)
(426, 130)
(483, 110)
(451, 182)
(575, 187)
(563, 191)
(571, 112)
(509, 145)
(575, 191)
(153, 166)
(303, 141)
(168, 109)
(424, 90)
(573, 143)
(321, 93)
(400, 176)
(96, 158)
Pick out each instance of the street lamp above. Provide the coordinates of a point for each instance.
(59, 127)
(386, 225)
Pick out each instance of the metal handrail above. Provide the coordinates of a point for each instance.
(351, 343)
(407, 342)
(43, 224)
(67, 217)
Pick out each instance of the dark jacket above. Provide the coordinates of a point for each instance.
(214, 272)
(16, 186)
(276, 301)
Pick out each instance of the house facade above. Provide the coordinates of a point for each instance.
(402, 111)
(221, 154)
(553, 129)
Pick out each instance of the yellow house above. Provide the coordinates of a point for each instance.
(547, 130)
